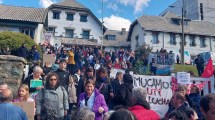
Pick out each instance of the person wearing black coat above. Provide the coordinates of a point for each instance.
(115, 84)
(199, 64)
(124, 97)
(23, 51)
(63, 74)
(103, 84)
(37, 71)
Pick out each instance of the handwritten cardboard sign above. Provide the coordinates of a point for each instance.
(49, 58)
(183, 78)
(158, 89)
(28, 108)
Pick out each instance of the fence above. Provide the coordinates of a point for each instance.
(209, 84)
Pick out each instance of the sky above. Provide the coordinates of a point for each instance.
(117, 14)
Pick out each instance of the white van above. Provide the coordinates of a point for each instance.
(207, 55)
(187, 57)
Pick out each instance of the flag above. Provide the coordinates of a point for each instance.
(209, 70)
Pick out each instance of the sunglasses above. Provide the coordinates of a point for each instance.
(53, 79)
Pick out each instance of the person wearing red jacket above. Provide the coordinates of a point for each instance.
(141, 108)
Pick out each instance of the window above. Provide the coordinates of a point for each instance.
(51, 29)
(86, 34)
(111, 37)
(155, 38)
(69, 33)
(83, 18)
(172, 39)
(70, 16)
(56, 15)
(201, 11)
(28, 31)
(192, 41)
(137, 42)
(202, 42)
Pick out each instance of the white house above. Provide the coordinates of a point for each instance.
(27, 20)
(71, 21)
(165, 32)
(115, 39)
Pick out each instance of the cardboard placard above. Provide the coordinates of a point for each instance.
(49, 58)
(158, 89)
(28, 108)
(183, 78)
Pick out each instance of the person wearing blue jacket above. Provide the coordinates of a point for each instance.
(9, 111)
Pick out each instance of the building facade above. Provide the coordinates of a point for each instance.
(29, 21)
(194, 9)
(71, 20)
(165, 32)
(115, 39)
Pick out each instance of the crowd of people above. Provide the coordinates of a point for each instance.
(78, 87)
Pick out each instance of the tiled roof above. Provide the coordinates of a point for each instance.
(120, 40)
(70, 3)
(77, 41)
(22, 13)
(165, 24)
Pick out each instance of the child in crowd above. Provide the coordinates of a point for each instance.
(23, 94)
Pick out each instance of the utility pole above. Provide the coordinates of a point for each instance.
(102, 26)
(182, 39)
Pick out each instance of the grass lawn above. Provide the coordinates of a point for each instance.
(185, 68)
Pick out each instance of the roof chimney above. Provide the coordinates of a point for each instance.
(123, 31)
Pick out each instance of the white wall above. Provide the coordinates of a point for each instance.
(164, 39)
(38, 34)
(137, 30)
(91, 24)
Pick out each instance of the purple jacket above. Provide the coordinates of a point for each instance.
(98, 102)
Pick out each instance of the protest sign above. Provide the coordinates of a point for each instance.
(159, 91)
(183, 78)
(113, 72)
(36, 83)
(28, 108)
(49, 59)
(164, 62)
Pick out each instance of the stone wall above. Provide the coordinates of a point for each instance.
(11, 71)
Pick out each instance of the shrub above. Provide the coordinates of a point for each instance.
(14, 40)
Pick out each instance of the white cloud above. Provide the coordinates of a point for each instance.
(116, 23)
(113, 6)
(137, 4)
(1, 1)
(46, 3)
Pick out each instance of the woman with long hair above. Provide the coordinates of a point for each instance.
(52, 100)
(23, 94)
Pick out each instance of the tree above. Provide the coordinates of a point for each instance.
(140, 52)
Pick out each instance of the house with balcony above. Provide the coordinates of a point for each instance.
(115, 39)
(166, 31)
(70, 21)
(26, 20)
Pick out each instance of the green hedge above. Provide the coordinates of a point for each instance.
(14, 40)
